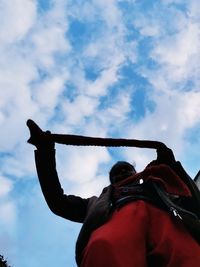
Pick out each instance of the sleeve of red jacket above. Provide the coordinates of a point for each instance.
(70, 207)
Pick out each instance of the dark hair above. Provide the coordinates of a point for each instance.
(120, 170)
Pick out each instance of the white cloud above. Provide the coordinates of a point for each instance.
(90, 188)
(16, 18)
(175, 113)
(47, 40)
(110, 12)
(53, 88)
(115, 113)
(107, 49)
(7, 214)
(76, 111)
(100, 86)
(33, 45)
(179, 51)
(81, 164)
(172, 1)
(152, 28)
(175, 42)
(190, 106)
(5, 186)
(175, 81)
(193, 9)
(20, 164)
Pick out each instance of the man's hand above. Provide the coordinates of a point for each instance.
(165, 155)
(39, 138)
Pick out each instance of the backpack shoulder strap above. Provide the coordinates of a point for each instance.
(188, 218)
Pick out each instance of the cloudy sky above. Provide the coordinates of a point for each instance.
(108, 68)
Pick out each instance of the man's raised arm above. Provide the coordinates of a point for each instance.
(68, 206)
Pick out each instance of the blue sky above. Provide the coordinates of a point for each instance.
(108, 68)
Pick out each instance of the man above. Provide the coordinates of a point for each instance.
(129, 224)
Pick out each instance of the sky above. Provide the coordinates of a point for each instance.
(107, 68)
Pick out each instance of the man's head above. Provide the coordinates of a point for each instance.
(120, 171)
